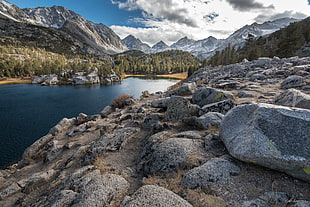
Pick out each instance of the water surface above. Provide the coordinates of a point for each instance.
(27, 112)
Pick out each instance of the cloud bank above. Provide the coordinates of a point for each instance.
(245, 5)
(170, 20)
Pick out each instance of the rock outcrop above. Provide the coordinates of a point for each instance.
(194, 146)
(272, 136)
(293, 98)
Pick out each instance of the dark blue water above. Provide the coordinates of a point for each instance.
(27, 112)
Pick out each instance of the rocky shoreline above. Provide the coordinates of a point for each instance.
(79, 78)
(235, 135)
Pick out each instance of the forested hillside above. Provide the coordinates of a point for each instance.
(18, 59)
(172, 61)
(290, 41)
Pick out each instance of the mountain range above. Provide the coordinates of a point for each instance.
(61, 30)
(86, 36)
(205, 48)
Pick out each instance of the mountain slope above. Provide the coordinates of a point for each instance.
(207, 47)
(160, 47)
(92, 38)
(287, 42)
(239, 37)
(133, 43)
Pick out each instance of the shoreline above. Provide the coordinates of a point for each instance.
(14, 81)
(180, 76)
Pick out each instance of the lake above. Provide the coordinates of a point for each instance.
(27, 112)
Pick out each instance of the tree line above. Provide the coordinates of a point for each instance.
(22, 60)
(172, 61)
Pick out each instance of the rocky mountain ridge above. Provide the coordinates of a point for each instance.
(233, 135)
(205, 48)
(91, 37)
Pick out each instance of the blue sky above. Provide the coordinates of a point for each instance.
(170, 20)
(98, 11)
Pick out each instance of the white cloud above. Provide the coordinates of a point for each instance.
(170, 20)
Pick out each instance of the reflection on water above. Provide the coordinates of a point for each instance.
(27, 112)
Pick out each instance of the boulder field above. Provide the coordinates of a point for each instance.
(236, 135)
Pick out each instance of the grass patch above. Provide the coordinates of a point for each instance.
(14, 81)
(119, 102)
(181, 76)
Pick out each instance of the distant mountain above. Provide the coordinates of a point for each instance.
(133, 43)
(91, 37)
(239, 37)
(183, 43)
(292, 40)
(206, 48)
(160, 47)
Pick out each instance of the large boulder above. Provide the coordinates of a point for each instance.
(108, 142)
(273, 136)
(63, 125)
(179, 108)
(165, 156)
(186, 89)
(206, 96)
(151, 195)
(293, 98)
(99, 190)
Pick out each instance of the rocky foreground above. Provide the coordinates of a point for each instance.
(236, 135)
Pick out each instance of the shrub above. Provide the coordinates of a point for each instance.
(119, 102)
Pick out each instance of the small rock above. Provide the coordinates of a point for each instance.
(106, 111)
(243, 94)
(82, 118)
(13, 188)
(292, 82)
(109, 142)
(214, 145)
(35, 151)
(275, 198)
(186, 89)
(299, 204)
(64, 198)
(150, 120)
(221, 107)
(179, 108)
(63, 125)
(216, 170)
(188, 134)
(255, 203)
(256, 77)
(160, 103)
(39, 179)
(145, 94)
(262, 62)
(206, 96)
(151, 195)
(129, 101)
(211, 119)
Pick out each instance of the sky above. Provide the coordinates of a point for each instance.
(170, 20)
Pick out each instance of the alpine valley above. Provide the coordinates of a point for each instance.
(206, 48)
